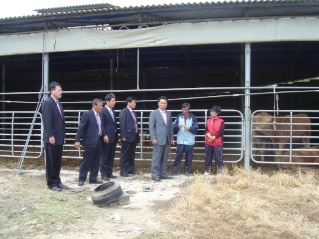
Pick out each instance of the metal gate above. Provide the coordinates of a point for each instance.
(16, 125)
(289, 139)
(14, 132)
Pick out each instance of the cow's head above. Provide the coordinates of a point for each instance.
(262, 121)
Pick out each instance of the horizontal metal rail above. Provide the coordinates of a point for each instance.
(296, 144)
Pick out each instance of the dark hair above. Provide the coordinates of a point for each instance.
(162, 98)
(130, 99)
(53, 84)
(96, 101)
(186, 105)
(109, 97)
(216, 108)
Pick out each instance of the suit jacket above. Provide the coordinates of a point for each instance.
(158, 130)
(54, 124)
(88, 129)
(109, 126)
(127, 126)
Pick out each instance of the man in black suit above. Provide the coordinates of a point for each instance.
(110, 132)
(90, 130)
(54, 136)
(129, 137)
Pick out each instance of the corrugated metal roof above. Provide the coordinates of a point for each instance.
(76, 8)
(106, 7)
(133, 16)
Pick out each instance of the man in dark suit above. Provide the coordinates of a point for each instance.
(129, 137)
(161, 133)
(90, 130)
(110, 132)
(54, 136)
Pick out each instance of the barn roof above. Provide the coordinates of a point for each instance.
(132, 16)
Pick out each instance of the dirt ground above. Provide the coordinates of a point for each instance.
(30, 210)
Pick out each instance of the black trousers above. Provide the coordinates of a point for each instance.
(53, 159)
(107, 158)
(91, 162)
(127, 157)
(181, 149)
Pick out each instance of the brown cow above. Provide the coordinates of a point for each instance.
(302, 156)
(279, 130)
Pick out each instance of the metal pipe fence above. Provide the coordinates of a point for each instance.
(285, 140)
(15, 127)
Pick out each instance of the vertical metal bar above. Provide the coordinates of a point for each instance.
(138, 70)
(247, 104)
(3, 98)
(290, 136)
(141, 144)
(111, 74)
(12, 135)
(3, 86)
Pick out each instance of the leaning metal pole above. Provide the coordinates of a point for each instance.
(247, 105)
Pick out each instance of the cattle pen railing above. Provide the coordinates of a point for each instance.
(15, 127)
(286, 139)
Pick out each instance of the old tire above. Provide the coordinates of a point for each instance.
(106, 193)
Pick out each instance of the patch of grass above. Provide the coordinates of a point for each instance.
(27, 212)
(242, 203)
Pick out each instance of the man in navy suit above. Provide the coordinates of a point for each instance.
(110, 132)
(90, 130)
(54, 136)
(129, 137)
(161, 133)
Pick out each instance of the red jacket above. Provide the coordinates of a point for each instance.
(215, 127)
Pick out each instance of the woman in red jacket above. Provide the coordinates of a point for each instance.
(214, 140)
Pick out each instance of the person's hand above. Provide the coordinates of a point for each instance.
(180, 126)
(186, 128)
(154, 141)
(52, 140)
(123, 139)
(106, 139)
(172, 142)
(77, 145)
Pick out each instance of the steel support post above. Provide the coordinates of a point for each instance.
(247, 105)
(111, 74)
(138, 69)
(3, 86)
(46, 74)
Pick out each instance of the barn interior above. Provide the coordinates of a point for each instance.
(193, 67)
(203, 75)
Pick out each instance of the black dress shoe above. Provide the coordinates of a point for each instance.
(62, 186)
(124, 174)
(55, 188)
(105, 179)
(96, 182)
(133, 172)
(157, 179)
(80, 183)
(166, 177)
(112, 176)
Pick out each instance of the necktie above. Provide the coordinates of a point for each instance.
(136, 130)
(98, 123)
(111, 112)
(57, 105)
(164, 117)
